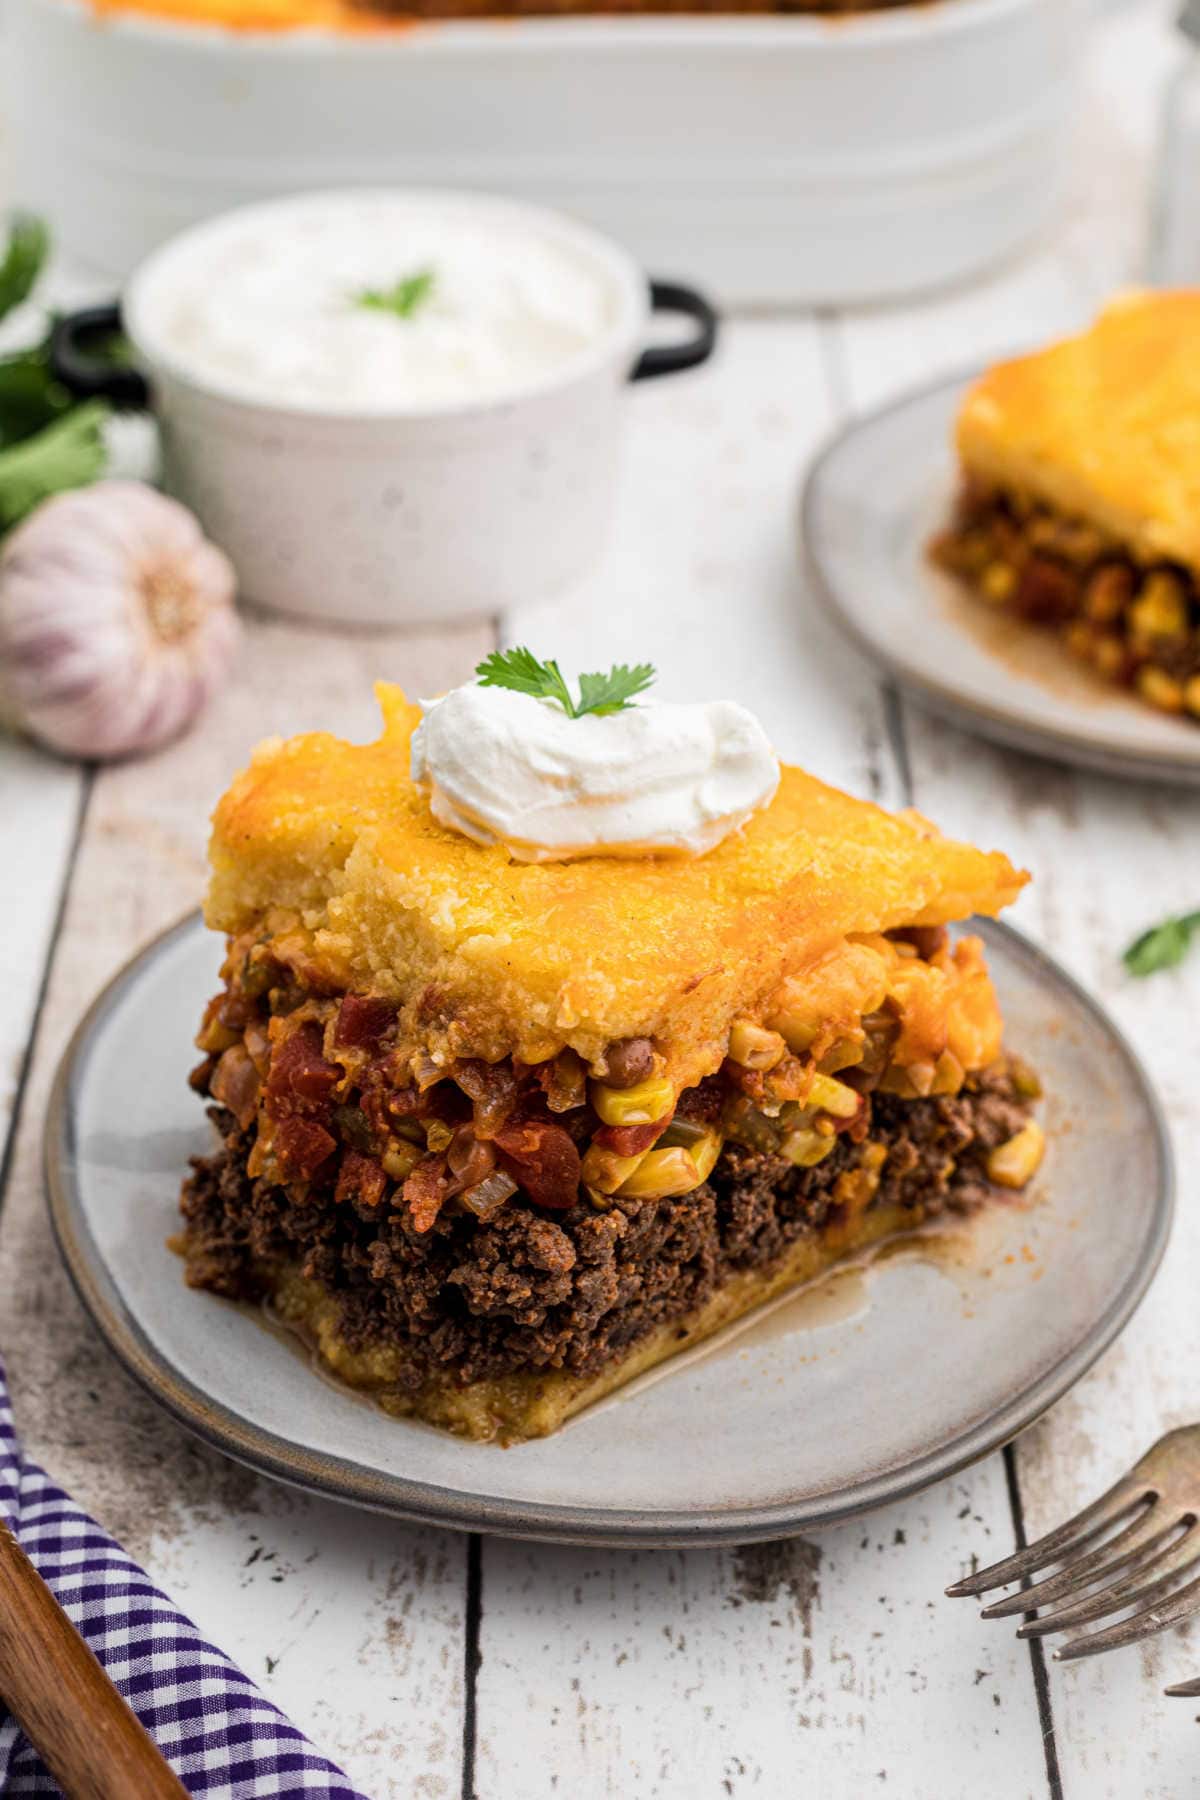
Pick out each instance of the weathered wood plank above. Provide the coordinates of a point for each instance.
(39, 808)
(353, 1623)
(832, 1665)
(1108, 859)
(705, 1673)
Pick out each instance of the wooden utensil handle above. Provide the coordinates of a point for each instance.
(94, 1745)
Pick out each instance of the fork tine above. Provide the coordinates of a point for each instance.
(1184, 1690)
(1072, 1535)
(1107, 1559)
(1144, 1583)
(1141, 1625)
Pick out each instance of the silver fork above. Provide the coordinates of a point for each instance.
(1126, 1553)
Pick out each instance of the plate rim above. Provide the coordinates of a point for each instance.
(340, 1478)
(994, 723)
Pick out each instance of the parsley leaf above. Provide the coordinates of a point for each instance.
(26, 251)
(403, 298)
(68, 453)
(1163, 946)
(521, 671)
(612, 693)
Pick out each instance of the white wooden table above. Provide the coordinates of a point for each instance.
(438, 1665)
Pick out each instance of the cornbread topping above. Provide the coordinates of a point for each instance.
(287, 303)
(506, 768)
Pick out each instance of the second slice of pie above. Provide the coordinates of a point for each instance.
(1079, 508)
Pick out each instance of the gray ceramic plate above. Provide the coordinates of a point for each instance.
(855, 1396)
(873, 499)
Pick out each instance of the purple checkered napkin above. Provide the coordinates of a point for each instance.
(222, 1736)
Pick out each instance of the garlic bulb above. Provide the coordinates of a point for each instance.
(116, 620)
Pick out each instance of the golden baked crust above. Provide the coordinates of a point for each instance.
(330, 847)
(1103, 427)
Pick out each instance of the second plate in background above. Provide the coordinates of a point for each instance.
(873, 499)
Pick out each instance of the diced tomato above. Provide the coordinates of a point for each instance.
(301, 1146)
(631, 1140)
(360, 1179)
(751, 1082)
(542, 1159)
(301, 1081)
(407, 1103)
(362, 1021)
(425, 1190)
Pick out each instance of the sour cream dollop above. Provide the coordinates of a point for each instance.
(655, 780)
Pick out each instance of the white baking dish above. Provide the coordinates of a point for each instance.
(401, 514)
(774, 158)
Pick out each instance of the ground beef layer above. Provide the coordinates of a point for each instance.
(1134, 625)
(578, 1291)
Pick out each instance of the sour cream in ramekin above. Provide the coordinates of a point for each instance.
(366, 468)
(292, 304)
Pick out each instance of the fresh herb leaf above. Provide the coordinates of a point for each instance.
(522, 671)
(26, 252)
(66, 454)
(30, 397)
(403, 298)
(1163, 946)
(612, 693)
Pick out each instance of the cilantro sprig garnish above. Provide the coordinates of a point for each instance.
(1164, 946)
(403, 298)
(522, 671)
(23, 260)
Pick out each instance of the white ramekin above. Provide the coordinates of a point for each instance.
(775, 158)
(404, 517)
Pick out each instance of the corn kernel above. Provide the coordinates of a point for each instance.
(845, 1053)
(799, 1031)
(1015, 1162)
(805, 1148)
(400, 1159)
(1024, 1079)
(665, 1173)
(705, 1155)
(854, 1190)
(640, 1105)
(1108, 655)
(1108, 593)
(754, 1047)
(948, 1074)
(1160, 689)
(998, 582)
(827, 1095)
(604, 1170)
(1079, 638)
(1161, 609)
